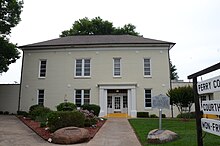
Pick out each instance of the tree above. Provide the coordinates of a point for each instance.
(173, 74)
(182, 97)
(97, 26)
(10, 11)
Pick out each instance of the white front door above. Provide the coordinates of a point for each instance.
(117, 104)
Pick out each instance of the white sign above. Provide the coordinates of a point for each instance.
(209, 86)
(211, 107)
(161, 102)
(211, 126)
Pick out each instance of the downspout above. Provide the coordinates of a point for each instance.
(22, 66)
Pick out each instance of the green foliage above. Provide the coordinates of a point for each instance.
(66, 106)
(10, 11)
(97, 26)
(39, 113)
(6, 113)
(23, 113)
(173, 73)
(163, 116)
(182, 97)
(92, 108)
(90, 118)
(143, 114)
(33, 107)
(190, 115)
(61, 119)
(153, 116)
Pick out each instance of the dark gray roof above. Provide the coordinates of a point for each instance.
(88, 40)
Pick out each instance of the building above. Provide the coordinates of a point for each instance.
(118, 72)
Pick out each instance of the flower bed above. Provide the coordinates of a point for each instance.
(45, 133)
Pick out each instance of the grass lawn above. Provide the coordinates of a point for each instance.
(185, 129)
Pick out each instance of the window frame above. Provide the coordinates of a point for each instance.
(114, 67)
(146, 107)
(40, 98)
(83, 68)
(40, 69)
(82, 98)
(150, 68)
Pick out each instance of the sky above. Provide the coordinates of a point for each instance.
(194, 25)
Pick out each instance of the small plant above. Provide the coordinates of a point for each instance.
(61, 119)
(153, 116)
(92, 108)
(143, 114)
(6, 113)
(66, 106)
(90, 118)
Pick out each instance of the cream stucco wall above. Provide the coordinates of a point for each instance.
(9, 97)
(60, 81)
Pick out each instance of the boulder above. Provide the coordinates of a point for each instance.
(161, 136)
(70, 135)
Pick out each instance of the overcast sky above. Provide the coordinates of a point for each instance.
(194, 25)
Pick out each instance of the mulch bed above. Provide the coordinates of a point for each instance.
(46, 134)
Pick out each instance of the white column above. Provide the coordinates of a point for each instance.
(133, 103)
(129, 102)
(103, 102)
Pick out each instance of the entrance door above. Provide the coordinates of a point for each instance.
(117, 104)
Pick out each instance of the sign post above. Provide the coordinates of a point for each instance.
(160, 102)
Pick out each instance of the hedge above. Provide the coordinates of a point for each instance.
(66, 106)
(143, 114)
(92, 108)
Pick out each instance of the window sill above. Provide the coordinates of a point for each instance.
(83, 77)
(148, 108)
(117, 77)
(41, 77)
(147, 76)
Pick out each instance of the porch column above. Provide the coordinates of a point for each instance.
(103, 102)
(133, 103)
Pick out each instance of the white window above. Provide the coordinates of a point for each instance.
(40, 97)
(147, 67)
(147, 98)
(116, 67)
(82, 97)
(42, 68)
(82, 68)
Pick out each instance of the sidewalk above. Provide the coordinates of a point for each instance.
(115, 132)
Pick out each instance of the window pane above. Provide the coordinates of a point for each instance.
(147, 98)
(87, 67)
(41, 97)
(147, 67)
(86, 96)
(117, 67)
(43, 66)
(79, 67)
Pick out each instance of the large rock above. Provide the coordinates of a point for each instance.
(161, 136)
(70, 135)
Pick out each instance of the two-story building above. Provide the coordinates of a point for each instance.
(118, 72)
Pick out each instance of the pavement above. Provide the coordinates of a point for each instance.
(115, 132)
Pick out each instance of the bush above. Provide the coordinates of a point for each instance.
(39, 113)
(143, 114)
(163, 116)
(23, 113)
(90, 118)
(61, 119)
(66, 106)
(6, 113)
(153, 116)
(33, 107)
(190, 115)
(92, 108)
(1, 112)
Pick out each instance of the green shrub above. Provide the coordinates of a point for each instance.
(6, 113)
(153, 116)
(163, 116)
(143, 114)
(61, 119)
(190, 115)
(33, 107)
(66, 106)
(92, 108)
(23, 113)
(39, 113)
(90, 118)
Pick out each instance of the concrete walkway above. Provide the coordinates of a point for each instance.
(115, 132)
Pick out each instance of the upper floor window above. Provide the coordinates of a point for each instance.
(117, 67)
(42, 68)
(82, 97)
(82, 68)
(147, 98)
(147, 67)
(40, 97)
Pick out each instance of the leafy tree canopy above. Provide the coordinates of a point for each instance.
(182, 97)
(174, 74)
(97, 26)
(10, 11)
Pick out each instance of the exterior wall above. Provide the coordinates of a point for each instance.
(9, 97)
(60, 81)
